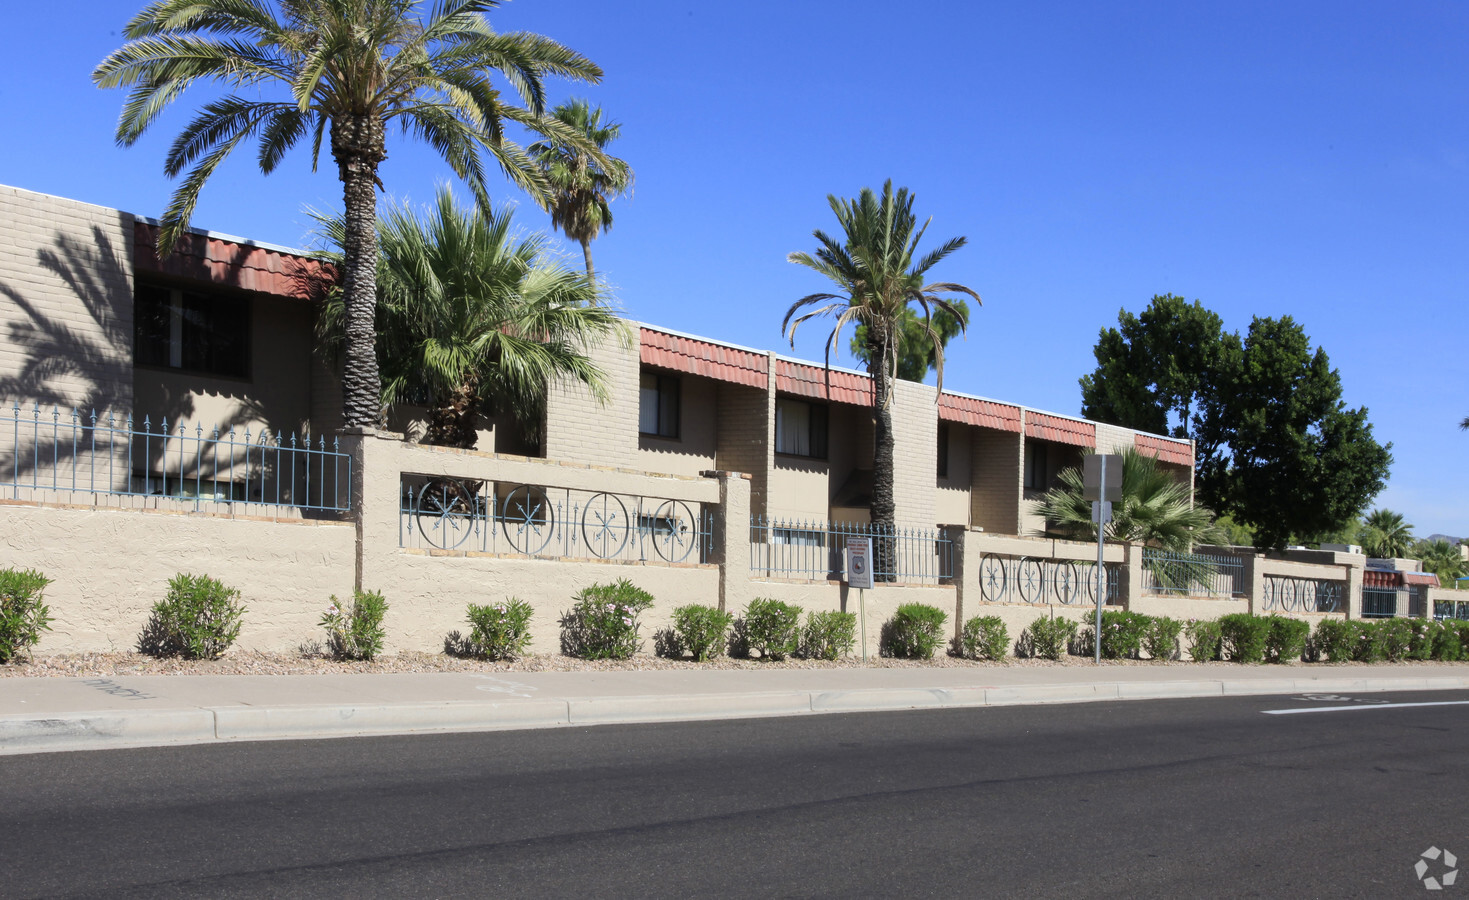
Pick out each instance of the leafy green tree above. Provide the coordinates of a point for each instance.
(1441, 558)
(1275, 446)
(469, 311)
(582, 185)
(1156, 509)
(1385, 535)
(345, 70)
(915, 349)
(877, 273)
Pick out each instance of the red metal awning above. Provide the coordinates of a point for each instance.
(983, 413)
(721, 362)
(1169, 450)
(1061, 430)
(805, 380)
(215, 260)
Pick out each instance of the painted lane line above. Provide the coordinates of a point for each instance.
(1328, 709)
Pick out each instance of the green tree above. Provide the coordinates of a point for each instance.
(1386, 534)
(1442, 559)
(1275, 447)
(469, 311)
(582, 184)
(345, 69)
(877, 273)
(916, 356)
(1156, 509)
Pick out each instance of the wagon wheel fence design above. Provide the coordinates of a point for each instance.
(1035, 580)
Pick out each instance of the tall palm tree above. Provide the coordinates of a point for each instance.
(1386, 535)
(915, 350)
(1155, 509)
(878, 273)
(345, 69)
(1442, 559)
(469, 311)
(582, 185)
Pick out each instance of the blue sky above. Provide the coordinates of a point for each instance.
(1309, 159)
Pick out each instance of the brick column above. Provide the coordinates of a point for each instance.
(1254, 578)
(732, 539)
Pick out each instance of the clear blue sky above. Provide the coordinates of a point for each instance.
(1309, 159)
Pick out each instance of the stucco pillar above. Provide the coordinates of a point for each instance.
(376, 498)
(1132, 575)
(1354, 590)
(732, 539)
(1254, 579)
(962, 576)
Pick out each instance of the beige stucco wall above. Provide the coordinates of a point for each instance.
(109, 567)
(951, 505)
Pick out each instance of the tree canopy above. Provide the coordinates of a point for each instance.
(1276, 448)
(1156, 509)
(581, 185)
(916, 356)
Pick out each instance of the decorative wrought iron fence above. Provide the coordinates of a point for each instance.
(1451, 609)
(67, 451)
(548, 522)
(1028, 579)
(1381, 602)
(782, 548)
(1192, 574)
(1307, 595)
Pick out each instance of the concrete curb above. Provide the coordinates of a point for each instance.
(151, 728)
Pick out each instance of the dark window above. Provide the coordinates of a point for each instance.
(175, 329)
(1035, 467)
(943, 449)
(658, 405)
(800, 428)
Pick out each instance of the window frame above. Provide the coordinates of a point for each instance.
(943, 450)
(191, 317)
(818, 428)
(668, 390)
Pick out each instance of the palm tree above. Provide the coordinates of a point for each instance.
(1155, 510)
(915, 350)
(469, 311)
(348, 68)
(581, 185)
(1442, 559)
(1385, 535)
(877, 276)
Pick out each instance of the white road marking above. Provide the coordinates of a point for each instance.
(1326, 709)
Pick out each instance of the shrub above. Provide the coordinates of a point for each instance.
(1161, 639)
(771, 628)
(496, 631)
(914, 632)
(699, 630)
(829, 635)
(1421, 645)
(1461, 631)
(1369, 646)
(1050, 637)
(1285, 640)
(1446, 643)
(604, 622)
(1123, 634)
(985, 637)
(355, 632)
(1244, 636)
(1336, 639)
(22, 614)
(198, 619)
(1205, 640)
(1395, 637)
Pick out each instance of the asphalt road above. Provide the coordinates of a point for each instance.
(1179, 798)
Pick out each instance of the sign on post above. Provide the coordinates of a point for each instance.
(1092, 467)
(859, 563)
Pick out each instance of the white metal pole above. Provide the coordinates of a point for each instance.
(1101, 538)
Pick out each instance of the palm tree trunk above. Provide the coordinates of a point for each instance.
(586, 252)
(357, 146)
(883, 510)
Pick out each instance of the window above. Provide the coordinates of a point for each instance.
(943, 449)
(1035, 467)
(800, 428)
(658, 405)
(176, 329)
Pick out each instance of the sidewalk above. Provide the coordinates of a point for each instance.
(50, 714)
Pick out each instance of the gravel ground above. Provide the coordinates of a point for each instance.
(259, 663)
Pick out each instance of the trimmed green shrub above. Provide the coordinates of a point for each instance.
(1285, 641)
(1205, 640)
(22, 614)
(1461, 631)
(1161, 639)
(355, 632)
(829, 635)
(985, 637)
(771, 628)
(1243, 637)
(604, 622)
(914, 632)
(496, 631)
(198, 619)
(1421, 645)
(1336, 639)
(1369, 646)
(1123, 634)
(1049, 637)
(698, 630)
(1395, 637)
(1446, 643)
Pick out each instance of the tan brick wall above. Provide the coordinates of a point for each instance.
(66, 298)
(580, 429)
(745, 436)
(1113, 439)
(995, 494)
(915, 439)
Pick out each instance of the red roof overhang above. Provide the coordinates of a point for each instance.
(695, 357)
(1060, 430)
(983, 413)
(810, 381)
(214, 260)
(1169, 451)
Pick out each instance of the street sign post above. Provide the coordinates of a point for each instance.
(1101, 483)
(858, 574)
